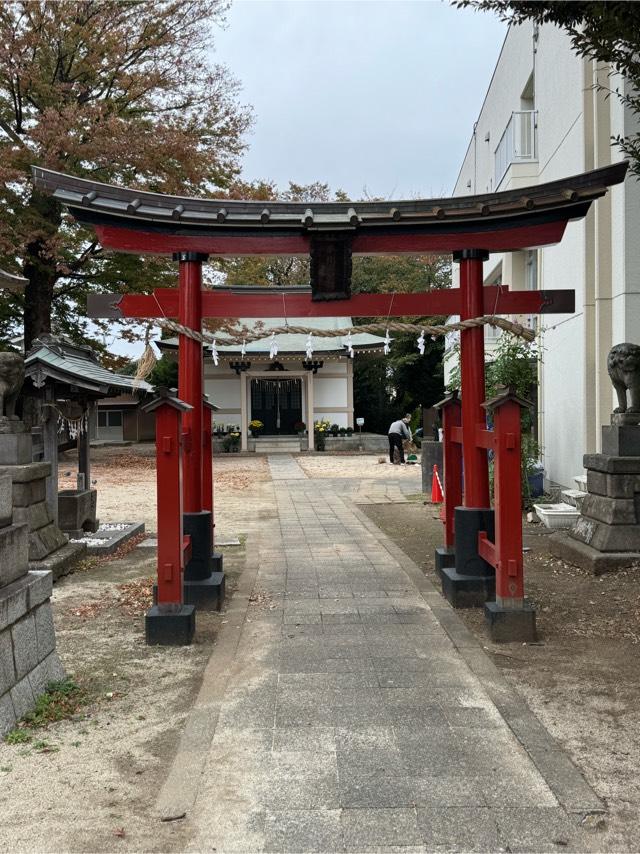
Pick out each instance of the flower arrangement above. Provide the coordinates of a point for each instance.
(299, 426)
(321, 428)
(231, 442)
(334, 429)
(256, 427)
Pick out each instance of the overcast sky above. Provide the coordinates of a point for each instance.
(376, 97)
(368, 96)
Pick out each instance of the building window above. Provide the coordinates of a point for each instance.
(109, 418)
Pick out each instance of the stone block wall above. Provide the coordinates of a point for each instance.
(28, 657)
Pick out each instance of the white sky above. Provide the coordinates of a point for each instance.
(371, 97)
(376, 96)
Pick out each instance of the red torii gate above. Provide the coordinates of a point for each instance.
(191, 230)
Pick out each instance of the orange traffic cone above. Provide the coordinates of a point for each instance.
(436, 488)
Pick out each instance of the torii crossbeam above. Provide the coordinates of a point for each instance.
(191, 230)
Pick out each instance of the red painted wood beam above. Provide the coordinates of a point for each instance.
(503, 239)
(496, 300)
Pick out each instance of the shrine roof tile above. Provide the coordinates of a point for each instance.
(77, 366)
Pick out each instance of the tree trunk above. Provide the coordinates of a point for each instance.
(40, 268)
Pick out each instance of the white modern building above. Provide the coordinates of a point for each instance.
(543, 119)
(284, 388)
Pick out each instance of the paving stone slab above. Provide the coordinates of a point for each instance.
(303, 831)
(375, 829)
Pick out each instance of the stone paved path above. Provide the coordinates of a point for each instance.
(356, 716)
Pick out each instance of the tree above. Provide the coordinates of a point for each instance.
(121, 91)
(608, 32)
(386, 387)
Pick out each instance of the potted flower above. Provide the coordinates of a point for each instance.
(320, 430)
(349, 431)
(256, 427)
(342, 431)
(334, 429)
(300, 427)
(231, 443)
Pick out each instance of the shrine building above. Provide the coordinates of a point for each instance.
(289, 389)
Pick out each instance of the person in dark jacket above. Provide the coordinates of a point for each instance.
(398, 432)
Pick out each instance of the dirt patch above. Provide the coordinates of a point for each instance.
(90, 783)
(126, 479)
(582, 679)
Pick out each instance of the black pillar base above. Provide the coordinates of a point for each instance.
(511, 624)
(471, 581)
(170, 625)
(203, 581)
(199, 526)
(466, 591)
(207, 593)
(445, 556)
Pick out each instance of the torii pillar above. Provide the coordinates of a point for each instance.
(467, 579)
(203, 576)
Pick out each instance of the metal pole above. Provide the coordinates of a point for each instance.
(476, 470)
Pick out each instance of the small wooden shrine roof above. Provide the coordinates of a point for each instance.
(76, 367)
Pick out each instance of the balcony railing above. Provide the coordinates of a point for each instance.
(518, 143)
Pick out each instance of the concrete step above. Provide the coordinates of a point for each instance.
(279, 448)
(574, 497)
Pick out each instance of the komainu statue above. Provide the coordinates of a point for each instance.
(623, 364)
(11, 379)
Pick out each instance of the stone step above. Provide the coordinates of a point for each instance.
(279, 448)
(574, 497)
(61, 561)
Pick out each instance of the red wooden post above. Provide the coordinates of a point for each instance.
(452, 463)
(508, 503)
(207, 456)
(204, 579)
(169, 503)
(170, 621)
(510, 618)
(190, 386)
(476, 469)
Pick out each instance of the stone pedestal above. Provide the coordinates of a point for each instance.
(28, 658)
(606, 535)
(77, 511)
(49, 548)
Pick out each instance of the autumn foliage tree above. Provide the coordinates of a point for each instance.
(121, 91)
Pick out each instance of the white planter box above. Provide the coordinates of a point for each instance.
(556, 515)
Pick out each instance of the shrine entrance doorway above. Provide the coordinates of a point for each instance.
(277, 403)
